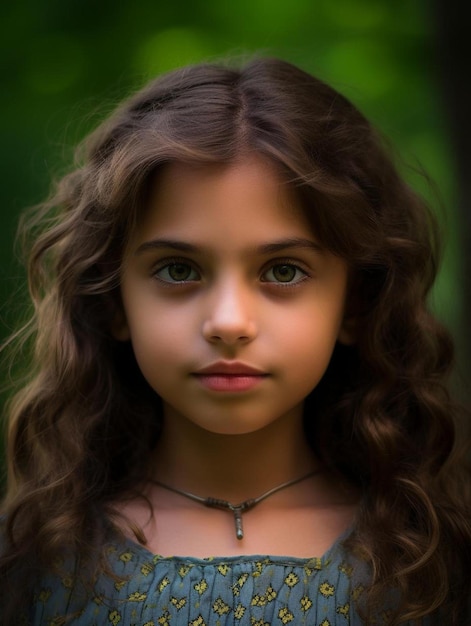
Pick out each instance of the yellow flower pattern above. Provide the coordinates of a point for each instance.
(285, 616)
(223, 569)
(239, 584)
(346, 569)
(270, 594)
(179, 603)
(125, 557)
(183, 571)
(343, 610)
(114, 618)
(44, 595)
(262, 600)
(326, 589)
(164, 619)
(147, 590)
(357, 591)
(291, 580)
(68, 582)
(201, 586)
(220, 607)
(137, 597)
(147, 569)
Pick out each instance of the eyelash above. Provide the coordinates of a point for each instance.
(167, 263)
(286, 263)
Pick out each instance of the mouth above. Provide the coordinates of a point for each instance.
(225, 376)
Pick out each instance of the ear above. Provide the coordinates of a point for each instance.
(348, 331)
(119, 326)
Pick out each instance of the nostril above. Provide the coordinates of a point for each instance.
(215, 331)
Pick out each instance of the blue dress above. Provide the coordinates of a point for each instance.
(150, 590)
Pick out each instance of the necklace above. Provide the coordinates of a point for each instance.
(236, 509)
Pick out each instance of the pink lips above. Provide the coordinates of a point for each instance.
(229, 376)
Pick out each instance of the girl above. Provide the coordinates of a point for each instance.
(237, 411)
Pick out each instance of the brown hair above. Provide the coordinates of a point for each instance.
(382, 415)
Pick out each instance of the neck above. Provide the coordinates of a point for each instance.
(231, 467)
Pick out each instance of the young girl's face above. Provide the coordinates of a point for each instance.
(232, 307)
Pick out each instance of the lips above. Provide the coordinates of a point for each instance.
(230, 368)
(225, 376)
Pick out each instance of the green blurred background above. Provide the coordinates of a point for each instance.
(66, 63)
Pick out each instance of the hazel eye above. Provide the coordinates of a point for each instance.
(177, 273)
(284, 273)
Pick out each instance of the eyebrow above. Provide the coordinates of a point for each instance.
(271, 247)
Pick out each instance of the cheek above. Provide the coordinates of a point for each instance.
(158, 334)
(161, 337)
(309, 340)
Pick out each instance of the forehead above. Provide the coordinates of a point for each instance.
(247, 199)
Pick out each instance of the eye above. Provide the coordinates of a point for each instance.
(284, 273)
(176, 272)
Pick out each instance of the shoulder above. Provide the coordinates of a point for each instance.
(93, 595)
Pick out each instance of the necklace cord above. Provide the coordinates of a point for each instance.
(236, 509)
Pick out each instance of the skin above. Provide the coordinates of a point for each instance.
(224, 269)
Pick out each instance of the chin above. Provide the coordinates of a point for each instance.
(231, 429)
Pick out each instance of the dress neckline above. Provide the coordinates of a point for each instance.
(315, 561)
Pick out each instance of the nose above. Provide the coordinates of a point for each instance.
(229, 318)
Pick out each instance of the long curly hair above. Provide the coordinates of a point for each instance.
(81, 426)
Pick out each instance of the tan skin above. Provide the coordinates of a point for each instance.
(223, 268)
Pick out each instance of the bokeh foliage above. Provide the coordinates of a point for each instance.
(67, 63)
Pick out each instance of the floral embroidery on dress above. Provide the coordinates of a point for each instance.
(326, 589)
(148, 590)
